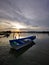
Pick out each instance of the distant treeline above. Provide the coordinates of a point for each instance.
(4, 32)
(32, 32)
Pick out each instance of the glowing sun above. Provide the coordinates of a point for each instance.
(18, 26)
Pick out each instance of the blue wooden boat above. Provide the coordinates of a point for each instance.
(19, 43)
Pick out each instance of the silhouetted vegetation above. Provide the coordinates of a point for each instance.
(5, 33)
(31, 32)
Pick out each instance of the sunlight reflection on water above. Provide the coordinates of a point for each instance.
(5, 40)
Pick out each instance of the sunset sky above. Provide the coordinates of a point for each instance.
(33, 14)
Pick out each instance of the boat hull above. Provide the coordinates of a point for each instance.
(19, 43)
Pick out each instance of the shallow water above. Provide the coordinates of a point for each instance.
(37, 54)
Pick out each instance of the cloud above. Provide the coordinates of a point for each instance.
(28, 12)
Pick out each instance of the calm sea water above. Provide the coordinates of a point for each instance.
(37, 54)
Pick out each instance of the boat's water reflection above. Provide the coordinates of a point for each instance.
(20, 51)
